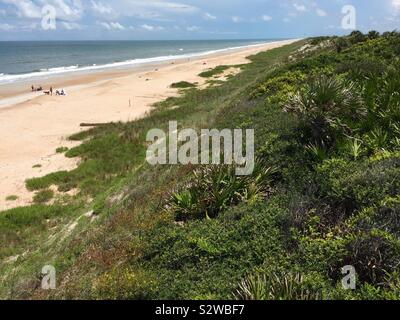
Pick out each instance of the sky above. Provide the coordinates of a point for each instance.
(191, 19)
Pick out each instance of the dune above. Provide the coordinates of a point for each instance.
(33, 126)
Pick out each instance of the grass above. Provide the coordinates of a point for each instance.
(164, 233)
(12, 198)
(43, 196)
(183, 85)
(214, 72)
(62, 150)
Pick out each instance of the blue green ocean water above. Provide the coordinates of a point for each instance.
(21, 61)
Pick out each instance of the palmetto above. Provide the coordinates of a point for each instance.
(327, 103)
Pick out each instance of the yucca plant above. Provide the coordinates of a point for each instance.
(317, 151)
(213, 189)
(327, 105)
(355, 147)
(276, 287)
(377, 140)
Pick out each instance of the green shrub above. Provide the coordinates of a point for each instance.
(353, 186)
(214, 189)
(328, 107)
(182, 85)
(277, 287)
(12, 198)
(62, 150)
(214, 72)
(43, 196)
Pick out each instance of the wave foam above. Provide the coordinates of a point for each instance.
(6, 78)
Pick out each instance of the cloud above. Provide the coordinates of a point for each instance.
(266, 18)
(25, 8)
(101, 8)
(151, 28)
(321, 12)
(208, 16)
(71, 26)
(112, 26)
(6, 27)
(193, 28)
(237, 19)
(300, 7)
(67, 10)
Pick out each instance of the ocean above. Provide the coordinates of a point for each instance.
(22, 61)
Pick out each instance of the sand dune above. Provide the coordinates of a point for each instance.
(33, 126)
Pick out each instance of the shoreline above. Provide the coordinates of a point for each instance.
(19, 87)
(34, 128)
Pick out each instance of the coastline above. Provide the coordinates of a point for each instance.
(65, 76)
(34, 126)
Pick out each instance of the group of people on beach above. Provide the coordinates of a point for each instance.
(49, 92)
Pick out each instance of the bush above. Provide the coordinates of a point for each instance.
(328, 107)
(182, 85)
(373, 35)
(277, 287)
(214, 189)
(353, 186)
(43, 196)
(357, 37)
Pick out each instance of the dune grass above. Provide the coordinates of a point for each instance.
(183, 85)
(214, 72)
(329, 196)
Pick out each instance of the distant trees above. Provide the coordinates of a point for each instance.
(373, 35)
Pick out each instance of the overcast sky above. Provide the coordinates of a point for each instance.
(189, 19)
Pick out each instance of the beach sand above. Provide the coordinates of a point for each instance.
(33, 126)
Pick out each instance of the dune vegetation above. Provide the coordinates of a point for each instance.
(325, 192)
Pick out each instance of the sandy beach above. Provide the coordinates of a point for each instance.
(33, 126)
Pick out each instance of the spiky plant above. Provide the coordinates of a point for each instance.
(276, 287)
(213, 189)
(355, 148)
(327, 105)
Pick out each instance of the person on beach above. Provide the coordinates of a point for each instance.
(51, 90)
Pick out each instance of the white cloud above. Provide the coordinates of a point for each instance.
(208, 16)
(266, 17)
(6, 27)
(25, 8)
(193, 28)
(71, 26)
(237, 19)
(67, 10)
(321, 12)
(101, 8)
(112, 26)
(300, 7)
(151, 28)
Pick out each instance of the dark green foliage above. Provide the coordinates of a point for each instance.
(214, 189)
(214, 72)
(174, 232)
(43, 196)
(182, 85)
(373, 35)
(328, 107)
